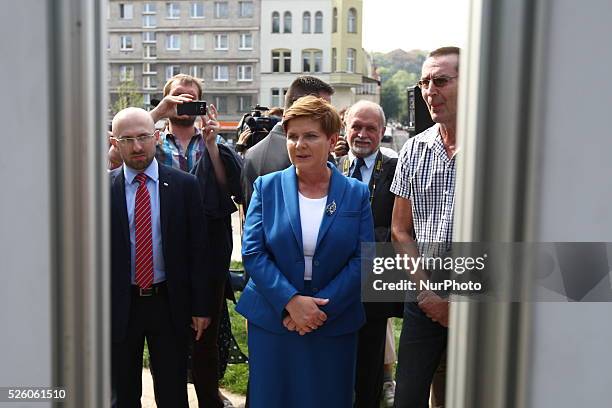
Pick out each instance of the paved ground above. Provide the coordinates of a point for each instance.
(148, 398)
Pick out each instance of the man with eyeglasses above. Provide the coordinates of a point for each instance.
(424, 188)
(159, 275)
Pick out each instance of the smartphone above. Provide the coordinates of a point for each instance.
(195, 108)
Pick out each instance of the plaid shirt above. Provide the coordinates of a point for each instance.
(169, 151)
(426, 175)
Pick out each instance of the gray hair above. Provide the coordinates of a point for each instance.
(365, 104)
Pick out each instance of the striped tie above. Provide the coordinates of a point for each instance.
(144, 234)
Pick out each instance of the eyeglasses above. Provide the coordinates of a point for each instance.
(439, 82)
(128, 141)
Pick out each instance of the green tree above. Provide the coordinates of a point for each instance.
(127, 95)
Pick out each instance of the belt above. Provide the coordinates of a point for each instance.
(156, 289)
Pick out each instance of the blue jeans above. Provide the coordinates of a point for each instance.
(421, 347)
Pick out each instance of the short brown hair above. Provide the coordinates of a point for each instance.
(444, 51)
(318, 110)
(306, 85)
(183, 79)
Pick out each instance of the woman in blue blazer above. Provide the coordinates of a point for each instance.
(302, 249)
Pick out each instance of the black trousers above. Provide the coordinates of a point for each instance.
(422, 348)
(205, 357)
(150, 319)
(370, 361)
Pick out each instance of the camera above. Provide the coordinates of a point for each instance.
(195, 108)
(259, 124)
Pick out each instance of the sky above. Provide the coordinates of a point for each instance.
(414, 24)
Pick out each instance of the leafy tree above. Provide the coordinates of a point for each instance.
(127, 95)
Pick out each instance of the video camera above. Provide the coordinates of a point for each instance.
(259, 124)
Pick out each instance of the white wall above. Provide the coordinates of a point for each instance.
(572, 352)
(25, 295)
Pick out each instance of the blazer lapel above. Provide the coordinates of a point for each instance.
(292, 207)
(166, 188)
(337, 187)
(118, 194)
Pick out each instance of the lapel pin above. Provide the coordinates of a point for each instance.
(331, 208)
(165, 184)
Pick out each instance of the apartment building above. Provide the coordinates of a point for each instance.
(316, 37)
(215, 40)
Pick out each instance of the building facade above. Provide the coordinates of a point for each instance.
(316, 37)
(217, 41)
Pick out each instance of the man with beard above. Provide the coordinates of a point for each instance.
(159, 278)
(189, 148)
(365, 127)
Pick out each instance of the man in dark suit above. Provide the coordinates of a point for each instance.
(270, 154)
(365, 126)
(159, 256)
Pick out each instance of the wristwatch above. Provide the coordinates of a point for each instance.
(241, 147)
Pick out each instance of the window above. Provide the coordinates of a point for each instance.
(146, 99)
(245, 72)
(246, 41)
(196, 10)
(221, 42)
(312, 60)
(173, 42)
(149, 51)
(352, 20)
(173, 10)
(244, 103)
(278, 96)
(335, 20)
(221, 73)
(126, 43)
(275, 22)
(126, 73)
(221, 9)
(149, 82)
(306, 22)
(287, 22)
(149, 8)
(126, 11)
(281, 61)
(148, 68)
(196, 41)
(149, 21)
(245, 9)
(148, 37)
(172, 70)
(350, 60)
(221, 103)
(196, 71)
(318, 22)
(334, 60)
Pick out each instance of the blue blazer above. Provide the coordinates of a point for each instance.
(273, 254)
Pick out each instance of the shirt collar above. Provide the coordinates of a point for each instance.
(167, 135)
(369, 160)
(152, 172)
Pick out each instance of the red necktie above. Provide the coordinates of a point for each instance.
(144, 234)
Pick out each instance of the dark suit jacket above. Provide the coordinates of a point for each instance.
(273, 253)
(267, 156)
(218, 208)
(382, 210)
(184, 245)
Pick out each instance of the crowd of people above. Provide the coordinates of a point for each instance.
(313, 191)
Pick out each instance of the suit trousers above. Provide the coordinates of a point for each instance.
(150, 319)
(370, 359)
(422, 346)
(205, 357)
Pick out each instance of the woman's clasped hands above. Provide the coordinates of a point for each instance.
(304, 314)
